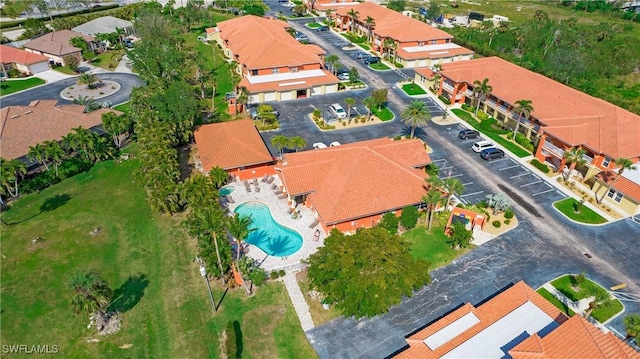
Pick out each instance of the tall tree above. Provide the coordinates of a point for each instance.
(353, 14)
(55, 153)
(623, 164)
(298, 142)
(117, 126)
(453, 187)
(481, 90)
(213, 222)
(388, 48)
(218, 176)
(242, 97)
(632, 325)
(523, 108)
(432, 199)
(573, 157)
(369, 23)
(88, 79)
(280, 142)
(10, 172)
(79, 140)
(38, 153)
(240, 227)
(369, 103)
(380, 97)
(460, 235)
(349, 101)
(416, 114)
(331, 60)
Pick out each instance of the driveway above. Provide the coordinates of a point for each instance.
(53, 90)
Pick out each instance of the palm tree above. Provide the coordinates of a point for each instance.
(328, 14)
(599, 298)
(453, 187)
(349, 101)
(9, 173)
(88, 79)
(80, 140)
(624, 164)
(437, 68)
(298, 142)
(387, 46)
(242, 97)
(239, 227)
(38, 153)
(369, 102)
(523, 108)
(573, 157)
(416, 114)
(481, 91)
(632, 325)
(432, 199)
(331, 61)
(92, 294)
(213, 222)
(354, 16)
(55, 153)
(280, 142)
(116, 126)
(218, 176)
(369, 23)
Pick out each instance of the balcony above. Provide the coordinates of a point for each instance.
(588, 159)
(447, 87)
(469, 93)
(552, 149)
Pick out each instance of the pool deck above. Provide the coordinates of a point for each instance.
(280, 212)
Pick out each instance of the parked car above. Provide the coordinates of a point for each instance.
(255, 116)
(491, 153)
(334, 144)
(318, 145)
(362, 56)
(322, 28)
(341, 44)
(342, 70)
(301, 37)
(467, 134)
(372, 60)
(482, 145)
(343, 76)
(338, 111)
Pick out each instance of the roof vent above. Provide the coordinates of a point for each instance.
(15, 116)
(28, 112)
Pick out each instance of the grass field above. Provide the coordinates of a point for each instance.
(556, 302)
(584, 214)
(379, 66)
(108, 60)
(432, 246)
(124, 107)
(384, 115)
(9, 87)
(64, 70)
(413, 89)
(145, 257)
(603, 312)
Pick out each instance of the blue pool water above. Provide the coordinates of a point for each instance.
(225, 191)
(269, 235)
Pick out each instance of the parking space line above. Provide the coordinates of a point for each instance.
(471, 194)
(543, 192)
(438, 160)
(529, 184)
(463, 200)
(466, 184)
(500, 160)
(445, 168)
(548, 185)
(560, 193)
(452, 176)
(520, 175)
(508, 167)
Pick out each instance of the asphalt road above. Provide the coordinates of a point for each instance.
(53, 90)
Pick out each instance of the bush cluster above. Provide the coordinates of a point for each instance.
(523, 141)
(482, 115)
(496, 224)
(42, 180)
(389, 222)
(445, 100)
(539, 165)
(508, 214)
(409, 217)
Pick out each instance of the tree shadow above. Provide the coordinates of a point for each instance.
(50, 204)
(129, 294)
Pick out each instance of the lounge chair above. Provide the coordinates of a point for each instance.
(314, 224)
(274, 186)
(265, 178)
(278, 192)
(271, 179)
(257, 189)
(282, 196)
(255, 182)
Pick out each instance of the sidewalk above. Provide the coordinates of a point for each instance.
(299, 304)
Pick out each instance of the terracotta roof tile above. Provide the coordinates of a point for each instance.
(433, 54)
(327, 78)
(56, 43)
(623, 184)
(425, 71)
(230, 145)
(566, 113)
(10, 54)
(24, 126)
(575, 338)
(359, 179)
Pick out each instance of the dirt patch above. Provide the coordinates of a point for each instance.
(258, 327)
(490, 228)
(519, 200)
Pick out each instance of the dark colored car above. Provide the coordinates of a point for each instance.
(467, 134)
(491, 153)
(362, 56)
(372, 60)
(322, 28)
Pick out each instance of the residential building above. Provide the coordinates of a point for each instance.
(272, 64)
(399, 38)
(562, 118)
(104, 25)
(323, 5)
(26, 62)
(57, 45)
(351, 186)
(517, 323)
(235, 146)
(42, 120)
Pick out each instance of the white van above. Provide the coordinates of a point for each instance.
(338, 111)
(482, 145)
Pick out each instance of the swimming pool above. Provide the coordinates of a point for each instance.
(227, 190)
(269, 235)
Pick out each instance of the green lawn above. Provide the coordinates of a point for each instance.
(11, 86)
(584, 215)
(384, 115)
(64, 70)
(379, 66)
(313, 25)
(433, 247)
(556, 302)
(603, 312)
(413, 89)
(496, 136)
(124, 107)
(108, 60)
(365, 46)
(146, 256)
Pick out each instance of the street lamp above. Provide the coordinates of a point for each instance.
(203, 273)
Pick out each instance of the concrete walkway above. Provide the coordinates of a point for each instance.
(299, 304)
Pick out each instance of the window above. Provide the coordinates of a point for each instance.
(606, 162)
(293, 69)
(615, 195)
(254, 72)
(421, 43)
(433, 42)
(275, 70)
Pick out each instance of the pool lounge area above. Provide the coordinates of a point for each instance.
(279, 211)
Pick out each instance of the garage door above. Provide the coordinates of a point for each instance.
(285, 96)
(39, 67)
(317, 90)
(254, 99)
(332, 88)
(269, 96)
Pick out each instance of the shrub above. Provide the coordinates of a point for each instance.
(507, 221)
(343, 123)
(466, 107)
(539, 165)
(13, 73)
(444, 99)
(496, 224)
(274, 275)
(399, 65)
(281, 272)
(491, 125)
(363, 120)
(482, 115)
(508, 214)
(389, 222)
(409, 217)
(523, 141)
(258, 276)
(397, 138)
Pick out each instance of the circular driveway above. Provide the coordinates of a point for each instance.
(52, 91)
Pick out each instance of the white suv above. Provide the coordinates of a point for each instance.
(338, 111)
(482, 145)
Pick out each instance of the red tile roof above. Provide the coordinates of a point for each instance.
(425, 72)
(433, 54)
(56, 43)
(43, 120)
(360, 179)
(393, 24)
(326, 78)
(230, 145)
(264, 43)
(623, 184)
(10, 54)
(488, 313)
(575, 338)
(567, 114)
